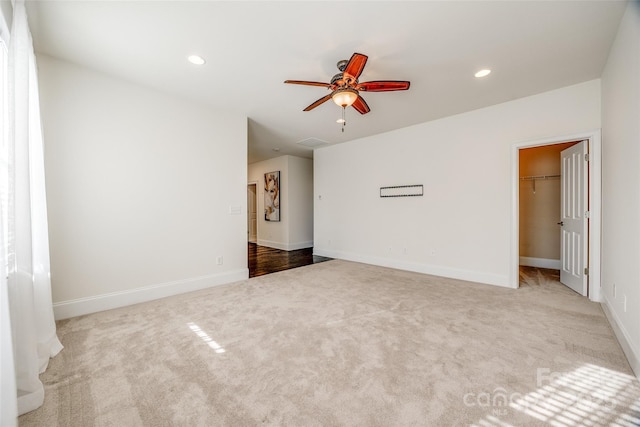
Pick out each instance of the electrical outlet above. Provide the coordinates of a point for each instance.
(219, 260)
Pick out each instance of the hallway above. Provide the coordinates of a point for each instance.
(264, 260)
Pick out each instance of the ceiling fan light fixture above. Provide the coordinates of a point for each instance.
(344, 97)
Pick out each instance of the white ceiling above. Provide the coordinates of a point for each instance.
(252, 47)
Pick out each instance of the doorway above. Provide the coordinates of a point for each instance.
(591, 261)
(252, 212)
(543, 197)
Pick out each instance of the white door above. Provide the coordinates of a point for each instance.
(252, 214)
(574, 218)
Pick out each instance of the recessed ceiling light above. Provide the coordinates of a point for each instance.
(483, 73)
(195, 59)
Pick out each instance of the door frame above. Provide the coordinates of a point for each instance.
(257, 210)
(594, 139)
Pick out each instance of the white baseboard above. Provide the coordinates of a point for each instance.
(300, 245)
(553, 264)
(632, 352)
(82, 306)
(285, 246)
(435, 270)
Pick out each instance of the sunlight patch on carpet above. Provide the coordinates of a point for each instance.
(205, 337)
(491, 421)
(584, 396)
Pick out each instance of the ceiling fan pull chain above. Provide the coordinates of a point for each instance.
(344, 121)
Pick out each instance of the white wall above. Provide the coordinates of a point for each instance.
(301, 201)
(295, 228)
(139, 189)
(621, 184)
(461, 226)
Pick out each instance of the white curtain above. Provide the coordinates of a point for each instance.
(29, 284)
(8, 397)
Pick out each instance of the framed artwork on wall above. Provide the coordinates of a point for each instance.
(272, 196)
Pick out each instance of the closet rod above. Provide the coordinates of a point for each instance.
(528, 178)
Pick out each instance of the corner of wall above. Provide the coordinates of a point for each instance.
(632, 353)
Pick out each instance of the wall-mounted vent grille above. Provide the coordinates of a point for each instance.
(313, 142)
(402, 191)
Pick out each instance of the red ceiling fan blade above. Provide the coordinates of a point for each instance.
(383, 86)
(302, 82)
(361, 106)
(356, 65)
(318, 102)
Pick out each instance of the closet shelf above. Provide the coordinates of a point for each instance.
(529, 178)
(535, 178)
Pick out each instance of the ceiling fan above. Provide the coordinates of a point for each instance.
(345, 86)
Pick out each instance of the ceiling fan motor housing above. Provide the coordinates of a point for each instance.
(338, 80)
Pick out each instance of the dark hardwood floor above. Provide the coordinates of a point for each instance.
(264, 260)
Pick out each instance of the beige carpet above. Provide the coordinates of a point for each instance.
(342, 343)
